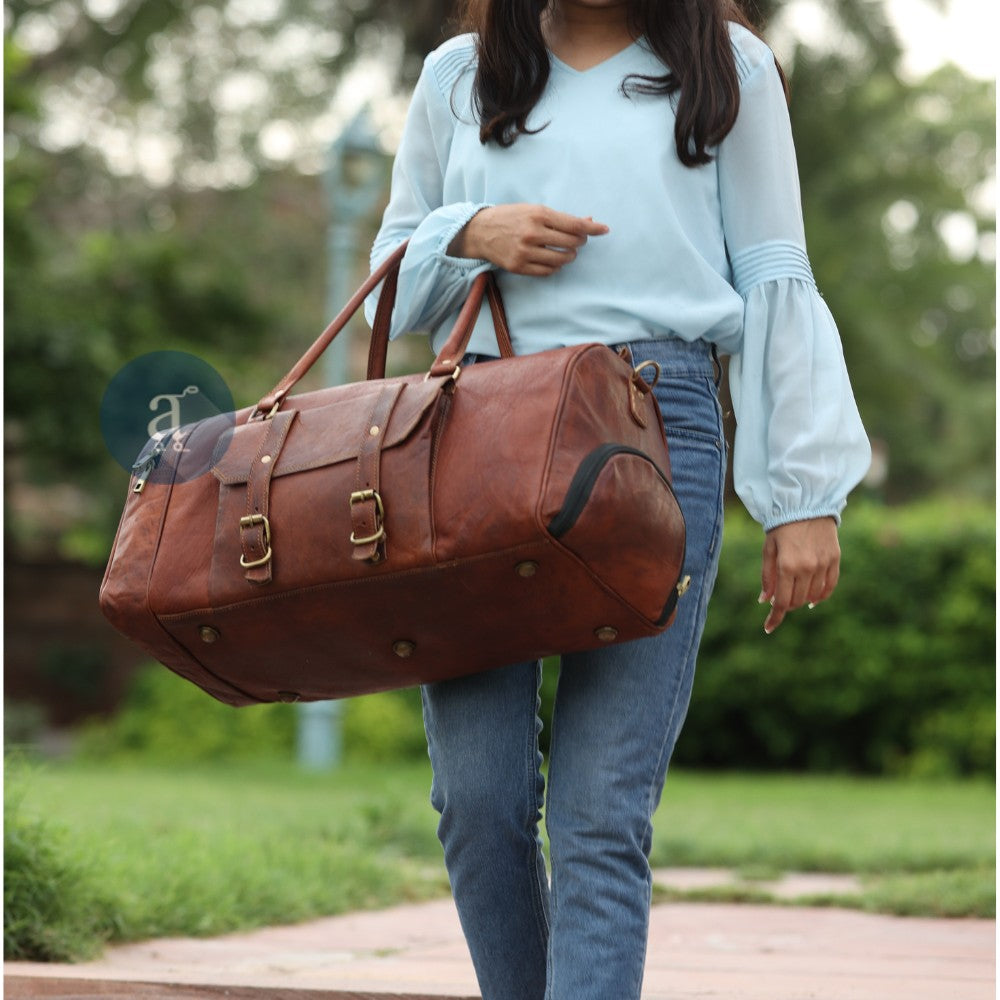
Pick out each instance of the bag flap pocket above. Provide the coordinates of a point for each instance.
(328, 433)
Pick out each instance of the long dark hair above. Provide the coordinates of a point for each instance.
(691, 38)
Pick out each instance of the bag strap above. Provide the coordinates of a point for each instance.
(379, 345)
(446, 364)
(255, 528)
(388, 273)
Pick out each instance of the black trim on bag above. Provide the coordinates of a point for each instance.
(582, 486)
(584, 480)
(668, 608)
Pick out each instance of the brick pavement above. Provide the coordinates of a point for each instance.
(416, 952)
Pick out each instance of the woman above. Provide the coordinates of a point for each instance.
(619, 201)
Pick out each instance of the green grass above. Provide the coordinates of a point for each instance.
(922, 848)
(824, 823)
(959, 893)
(150, 851)
(50, 909)
(199, 850)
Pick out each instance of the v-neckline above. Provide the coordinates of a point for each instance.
(608, 60)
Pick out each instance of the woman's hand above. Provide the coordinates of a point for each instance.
(801, 566)
(524, 239)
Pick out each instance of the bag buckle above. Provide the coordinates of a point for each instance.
(251, 521)
(453, 377)
(363, 496)
(258, 414)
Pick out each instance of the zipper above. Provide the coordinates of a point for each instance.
(584, 480)
(146, 463)
(444, 408)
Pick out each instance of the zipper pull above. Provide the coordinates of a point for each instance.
(145, 464)
(142, 471)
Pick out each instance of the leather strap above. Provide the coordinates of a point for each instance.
(378, 348)
(255, 529)
(367, 511)
(447, 361)
(638, 392)
(269, 403)
(388, 273)
(500, 325)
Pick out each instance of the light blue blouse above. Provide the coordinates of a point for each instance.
(715, 252)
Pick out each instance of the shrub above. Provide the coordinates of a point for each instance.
(895, 674)
(166, 718)
(381, 728)
(52, 911)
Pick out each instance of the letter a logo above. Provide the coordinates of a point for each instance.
(172, 415)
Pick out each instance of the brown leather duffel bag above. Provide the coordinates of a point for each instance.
(403, 530)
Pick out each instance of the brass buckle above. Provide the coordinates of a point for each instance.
(251, 521)
(362, 496)
(261, 415)
(453, 376)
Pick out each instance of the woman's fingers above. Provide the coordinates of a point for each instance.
(525, 239)
(542, 240)
(568, 231)
(801, 566)
(826, 586)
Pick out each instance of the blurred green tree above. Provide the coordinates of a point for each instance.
(897, 192)
(898, 180)
(90, 283)
(212, 91)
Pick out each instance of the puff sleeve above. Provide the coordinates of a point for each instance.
(800, 445)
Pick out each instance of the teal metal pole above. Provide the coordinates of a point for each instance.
(351, 196)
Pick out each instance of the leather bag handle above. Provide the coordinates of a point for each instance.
(379, 344)
(388, 271)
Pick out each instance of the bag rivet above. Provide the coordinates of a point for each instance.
(288, 697)
(404, 649)
(606, 633)
(208, 634)
(526, 568)
(264, 459)
(374, 431)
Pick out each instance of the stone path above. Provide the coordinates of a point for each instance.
(416, 952)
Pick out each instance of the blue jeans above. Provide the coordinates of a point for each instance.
(618, 711)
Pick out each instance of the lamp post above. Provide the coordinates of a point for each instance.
(353, 181)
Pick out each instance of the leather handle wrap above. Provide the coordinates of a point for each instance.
(388, 272)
